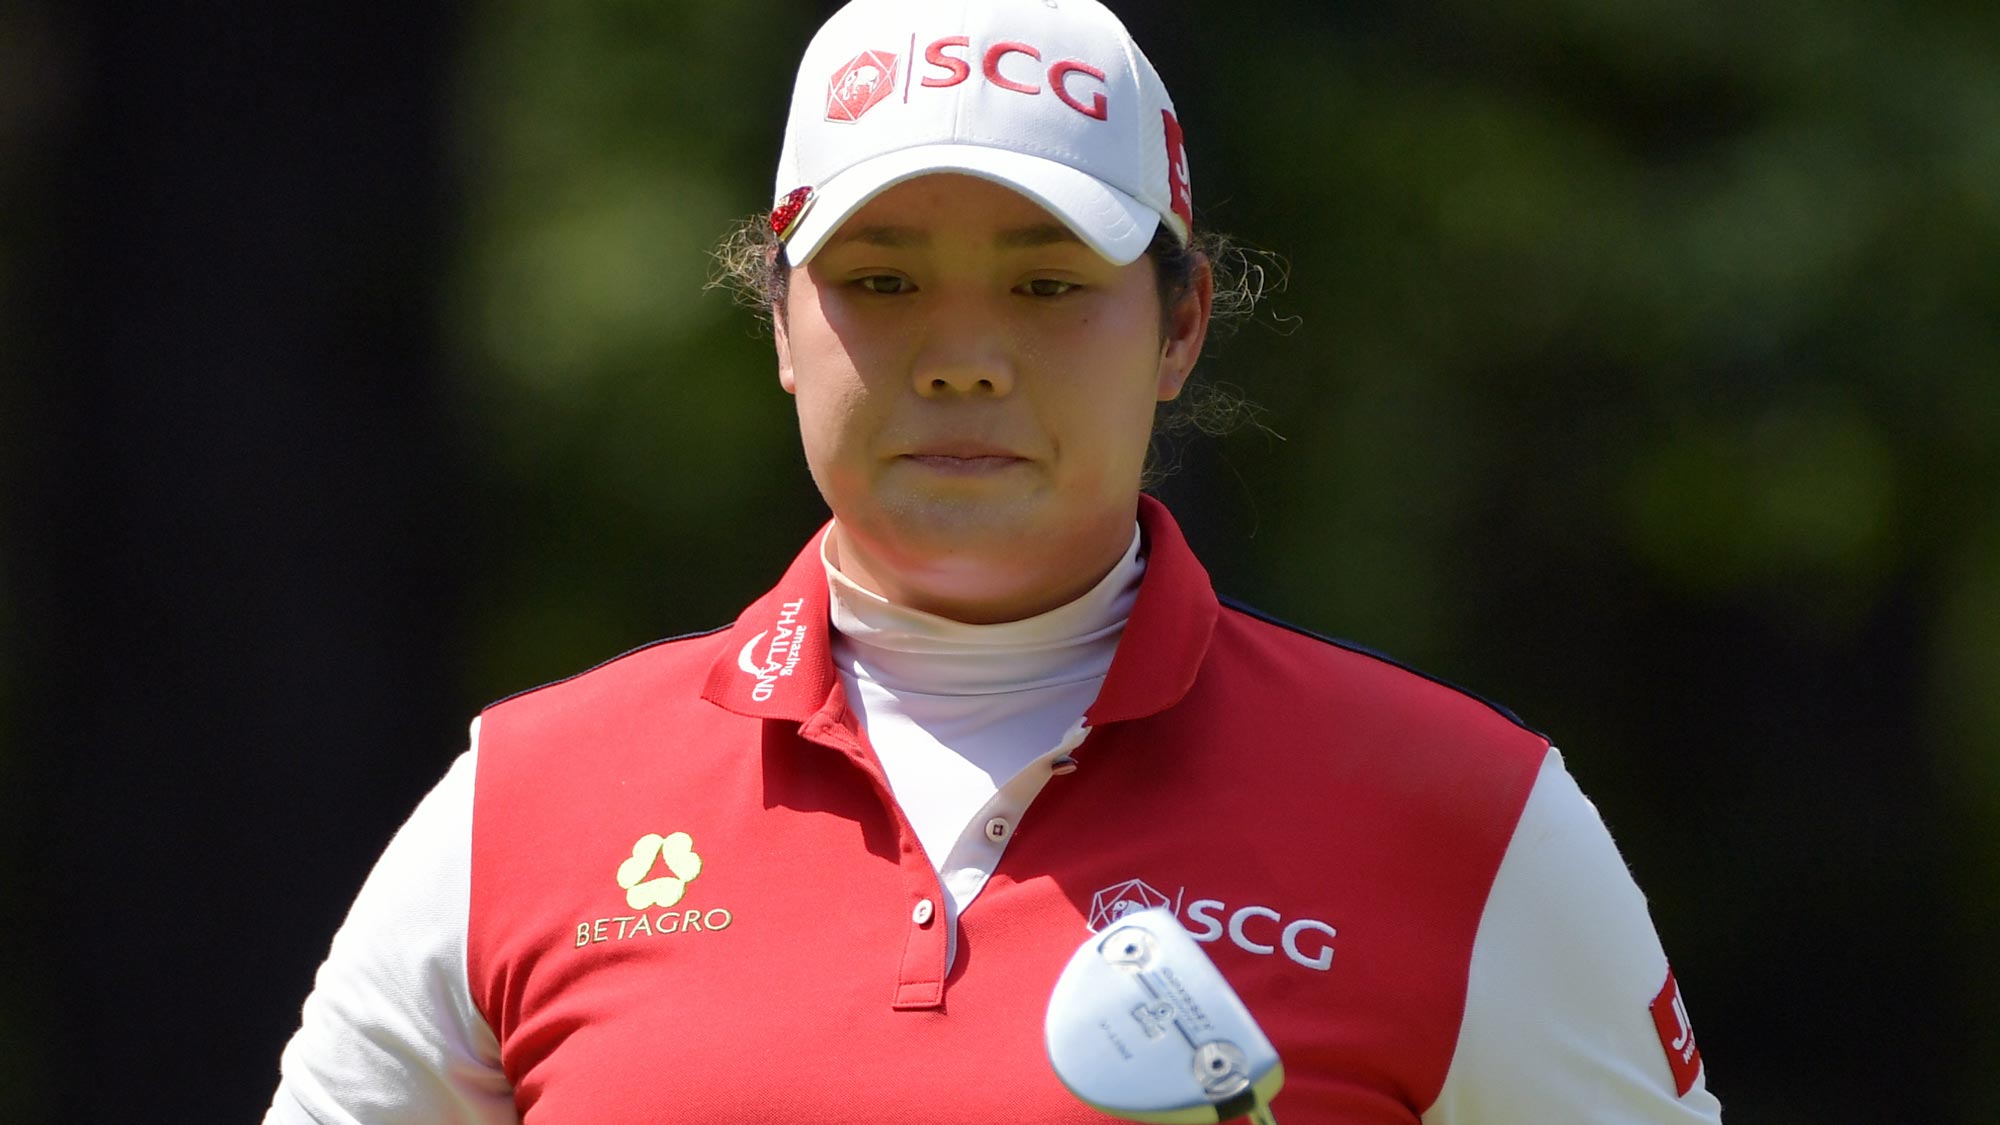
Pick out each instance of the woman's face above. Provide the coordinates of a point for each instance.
(975, 390)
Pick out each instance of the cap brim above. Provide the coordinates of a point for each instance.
(1107, 220)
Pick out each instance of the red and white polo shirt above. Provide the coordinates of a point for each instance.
(681, 887)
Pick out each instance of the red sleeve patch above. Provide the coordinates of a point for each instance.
(1670, 1016)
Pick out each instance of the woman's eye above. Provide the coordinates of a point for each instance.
(884, 283)
(1047, 287)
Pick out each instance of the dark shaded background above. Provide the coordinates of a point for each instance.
(1638, 369)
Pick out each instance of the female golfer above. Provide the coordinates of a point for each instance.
(825, 864)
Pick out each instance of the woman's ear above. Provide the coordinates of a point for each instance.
(1186, 329)
(784, 346)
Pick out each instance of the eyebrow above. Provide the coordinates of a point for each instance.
(895, 238)
(1042, 234)
(1013, 238)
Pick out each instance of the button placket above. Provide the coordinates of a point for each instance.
(927, 948)
(970, 865)
(984, 840)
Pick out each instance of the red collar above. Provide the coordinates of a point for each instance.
(777, 661)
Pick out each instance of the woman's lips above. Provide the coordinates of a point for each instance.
(965, 464)
(969, 458)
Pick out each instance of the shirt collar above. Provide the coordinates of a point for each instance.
(777, 660)
(1167, 636)
(908, 650)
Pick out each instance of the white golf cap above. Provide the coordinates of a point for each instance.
(1048, 97)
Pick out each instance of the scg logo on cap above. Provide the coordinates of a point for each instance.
(956, 70)
(860, 85)
(864, 81)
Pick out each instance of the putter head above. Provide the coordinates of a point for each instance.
(1143, 1026)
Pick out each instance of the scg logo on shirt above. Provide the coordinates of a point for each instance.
(1254, 929)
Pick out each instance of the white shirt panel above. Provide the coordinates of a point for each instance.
(390, 1034)
(1565, 965)
(947, 757)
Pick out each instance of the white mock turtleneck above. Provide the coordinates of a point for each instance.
(967, 719)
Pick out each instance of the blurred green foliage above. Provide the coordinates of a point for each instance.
(1742, 258)
(1603, 314)
(630, 418)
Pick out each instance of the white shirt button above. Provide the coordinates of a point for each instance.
(922, 914)
(997, 829)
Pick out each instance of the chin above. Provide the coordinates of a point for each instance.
(961, 524)
(954, 530)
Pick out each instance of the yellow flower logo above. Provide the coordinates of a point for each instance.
(678, 852)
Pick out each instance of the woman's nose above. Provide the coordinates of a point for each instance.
(964, 352)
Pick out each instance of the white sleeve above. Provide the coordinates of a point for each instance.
(1565, 967)
(390, 1033)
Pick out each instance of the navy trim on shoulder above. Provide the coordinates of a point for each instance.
(604, 663)
(1364, 650)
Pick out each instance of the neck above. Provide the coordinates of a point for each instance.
(981, 590)
(906, 650)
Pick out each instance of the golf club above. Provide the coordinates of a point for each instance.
(1142, 1025)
